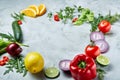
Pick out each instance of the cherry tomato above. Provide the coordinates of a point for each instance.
(56, 18)
(104, 26)
(5, 58)
(74, 19)
(19, 22)
(14, 49)
(92, 51)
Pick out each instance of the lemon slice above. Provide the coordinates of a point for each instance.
(103, 60)
(29, 12)
(35, 8)
(42, 9)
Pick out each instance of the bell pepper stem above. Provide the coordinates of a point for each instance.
(82, 64)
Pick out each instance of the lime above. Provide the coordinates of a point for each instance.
(103, 60)
(52, 72)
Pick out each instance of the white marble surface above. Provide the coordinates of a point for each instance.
(56, 41)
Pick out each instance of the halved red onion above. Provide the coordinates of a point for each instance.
(64, 64)
(103, 45)
(94, 36)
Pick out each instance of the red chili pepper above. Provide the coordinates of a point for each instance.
(56, 18)
(83, 67)
(74, 19)
(19, 22)
(2, 62)
(5, 58)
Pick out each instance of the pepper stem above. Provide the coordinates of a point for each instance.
(82, 64)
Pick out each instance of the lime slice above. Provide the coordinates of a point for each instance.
(52, 72)
(103, 60)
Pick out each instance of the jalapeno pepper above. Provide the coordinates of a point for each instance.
(83, 67)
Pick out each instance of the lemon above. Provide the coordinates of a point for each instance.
(34, 62)
(35, 8)
(42, 9)
(29, 12)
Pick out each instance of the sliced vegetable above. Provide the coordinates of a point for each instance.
(103, 60)
(64, 65)
(52, 72)
(103, 45)
(96, 36)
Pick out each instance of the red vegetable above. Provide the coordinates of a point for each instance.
(2, 62)
(83, 67)
(14, 49)
(19, 22)
(5, 58)
(56, 17)
(103, 45)
(92, 51)
(104, 26)
(96, 36)
(74, 19)
(64, 65)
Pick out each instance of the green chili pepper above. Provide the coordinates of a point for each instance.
(3, 45)
(17, 31)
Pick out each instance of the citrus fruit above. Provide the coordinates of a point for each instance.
(29, 12)
(34, 62)
(103, 60)
(35, 8)
(42, 9)
(52, 72)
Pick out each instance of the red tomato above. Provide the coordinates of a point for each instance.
(74, 19)
(92, 51)
(104, 26)
(19, 22)
(56, 17)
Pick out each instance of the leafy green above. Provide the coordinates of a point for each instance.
(86, 16)
(17, 64)
(18, 16)
(111, 18)
(101, 73)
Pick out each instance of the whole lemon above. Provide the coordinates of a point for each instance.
(34, 62)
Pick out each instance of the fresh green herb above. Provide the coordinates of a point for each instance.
(49, 15)
(111, 18)
(17, 64)
(18, 16)
(101, 73)
(85, 16)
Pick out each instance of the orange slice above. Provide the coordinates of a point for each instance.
(42, 9)
(29, 12)
(35, 8)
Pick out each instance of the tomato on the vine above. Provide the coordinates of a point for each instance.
(104, 26)
(92, 51)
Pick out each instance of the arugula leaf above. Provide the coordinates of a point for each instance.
(17, 64)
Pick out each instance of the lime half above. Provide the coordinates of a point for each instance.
(52, 72)
(103, 60)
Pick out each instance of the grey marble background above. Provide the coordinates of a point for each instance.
(57, 41)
